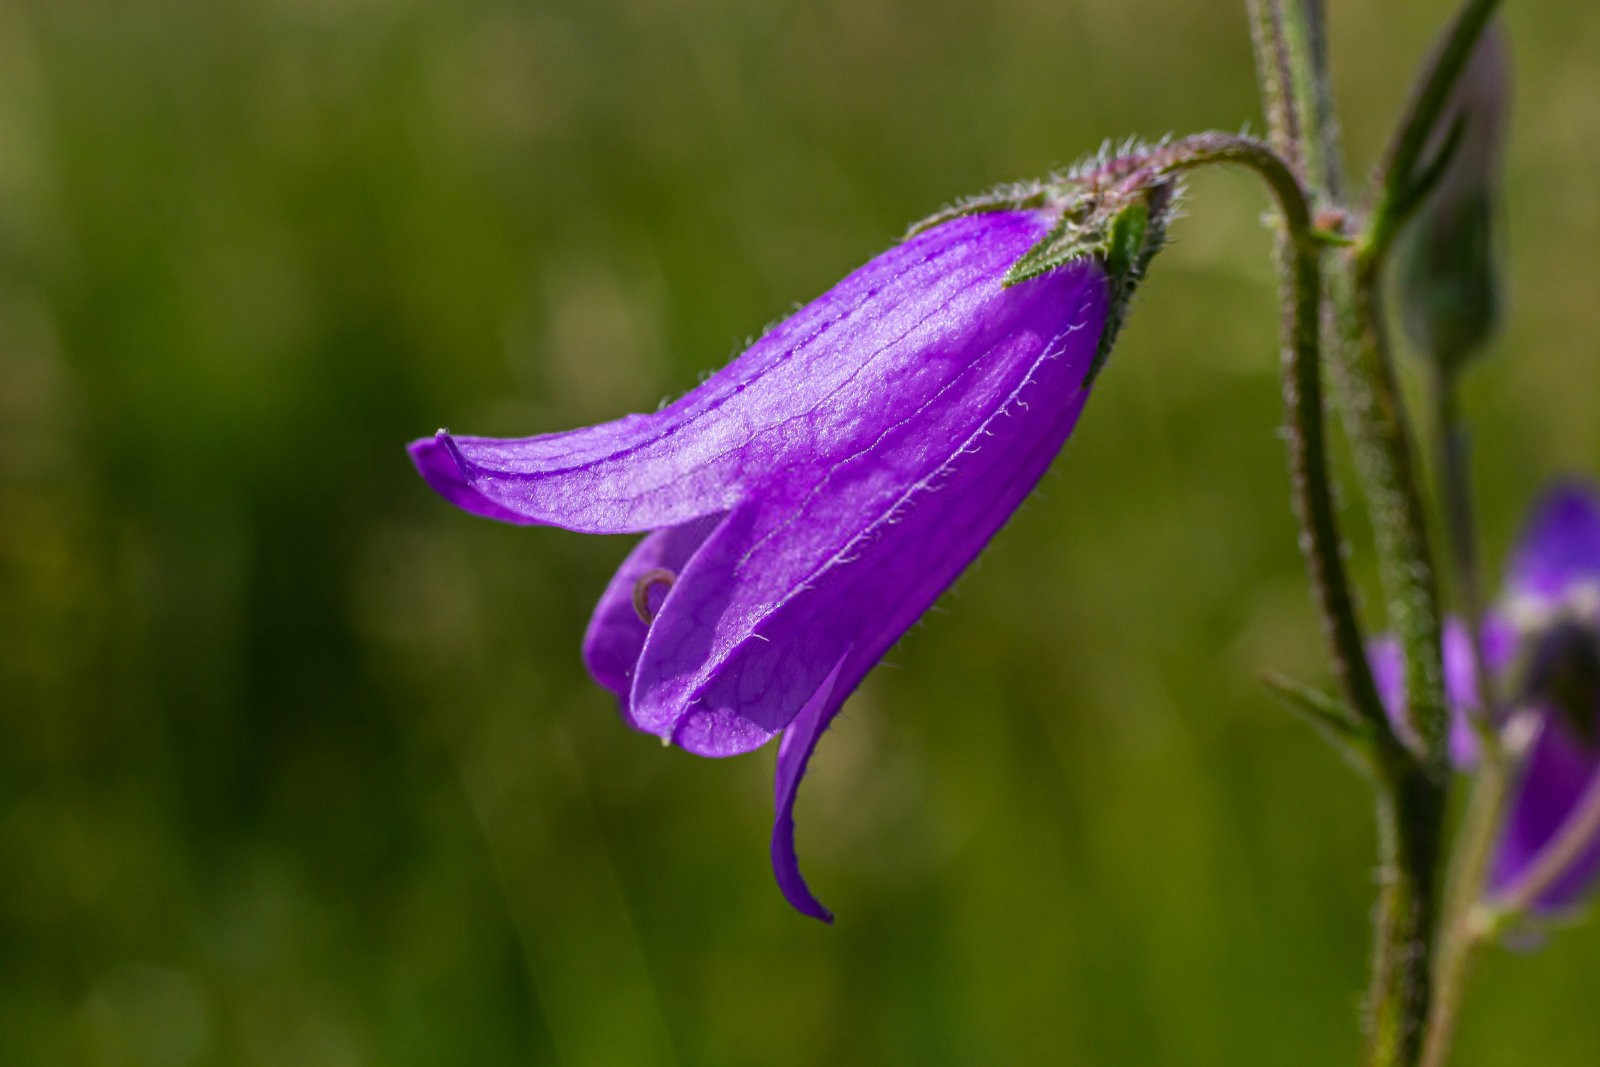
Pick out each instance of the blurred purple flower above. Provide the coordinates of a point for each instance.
(812, 498)
(1544, 641)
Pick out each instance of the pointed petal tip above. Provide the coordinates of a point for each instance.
(440, 462)
(799, 741)
(786, 864)
(794, 888)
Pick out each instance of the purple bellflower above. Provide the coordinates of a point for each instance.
(808, 502)
(1543, 643)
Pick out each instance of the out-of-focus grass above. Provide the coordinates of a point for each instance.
(300, 765)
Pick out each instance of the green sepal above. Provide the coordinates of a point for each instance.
(1083, 229)
(1103, 209)
(1330, 717)
(1127, 239)
(1123, 228)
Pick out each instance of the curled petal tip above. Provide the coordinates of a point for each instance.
(790, 882)
(799, 741)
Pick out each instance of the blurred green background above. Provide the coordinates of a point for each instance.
(299, 764)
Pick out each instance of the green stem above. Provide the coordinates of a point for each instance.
(1308, 466)
(1459, 930)
(1300, 259)
(1375, 417)
(1410, 816)
(1278, 83)
(1410, 802)
(1288, 37)
(1411, 793)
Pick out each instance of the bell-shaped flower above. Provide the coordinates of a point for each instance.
(1542, 646)
(808, 502)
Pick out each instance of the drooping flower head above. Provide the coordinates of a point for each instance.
(1542, 646)
(811, 499)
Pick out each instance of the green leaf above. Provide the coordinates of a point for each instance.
(1328, 716)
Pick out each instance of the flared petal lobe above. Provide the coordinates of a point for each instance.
(804, 394)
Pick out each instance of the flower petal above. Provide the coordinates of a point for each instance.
(774, 598)
(1559, 547)
(616, 633)
(805, 391)
(1460, 681)
(794, 752)
(1554, 777)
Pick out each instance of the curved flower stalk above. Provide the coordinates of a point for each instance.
(808, 502)
(1543, 643)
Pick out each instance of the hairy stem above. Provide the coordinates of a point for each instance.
(1292, 67)
(1411, 793)
(1410, 797)
(1375, 418)
(1308, 472)
(1290, 45)
(1301, 289)
(1410, 815)
(1278, 83)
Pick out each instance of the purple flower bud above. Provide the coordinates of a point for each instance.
(809, 501)
(1448, 273)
